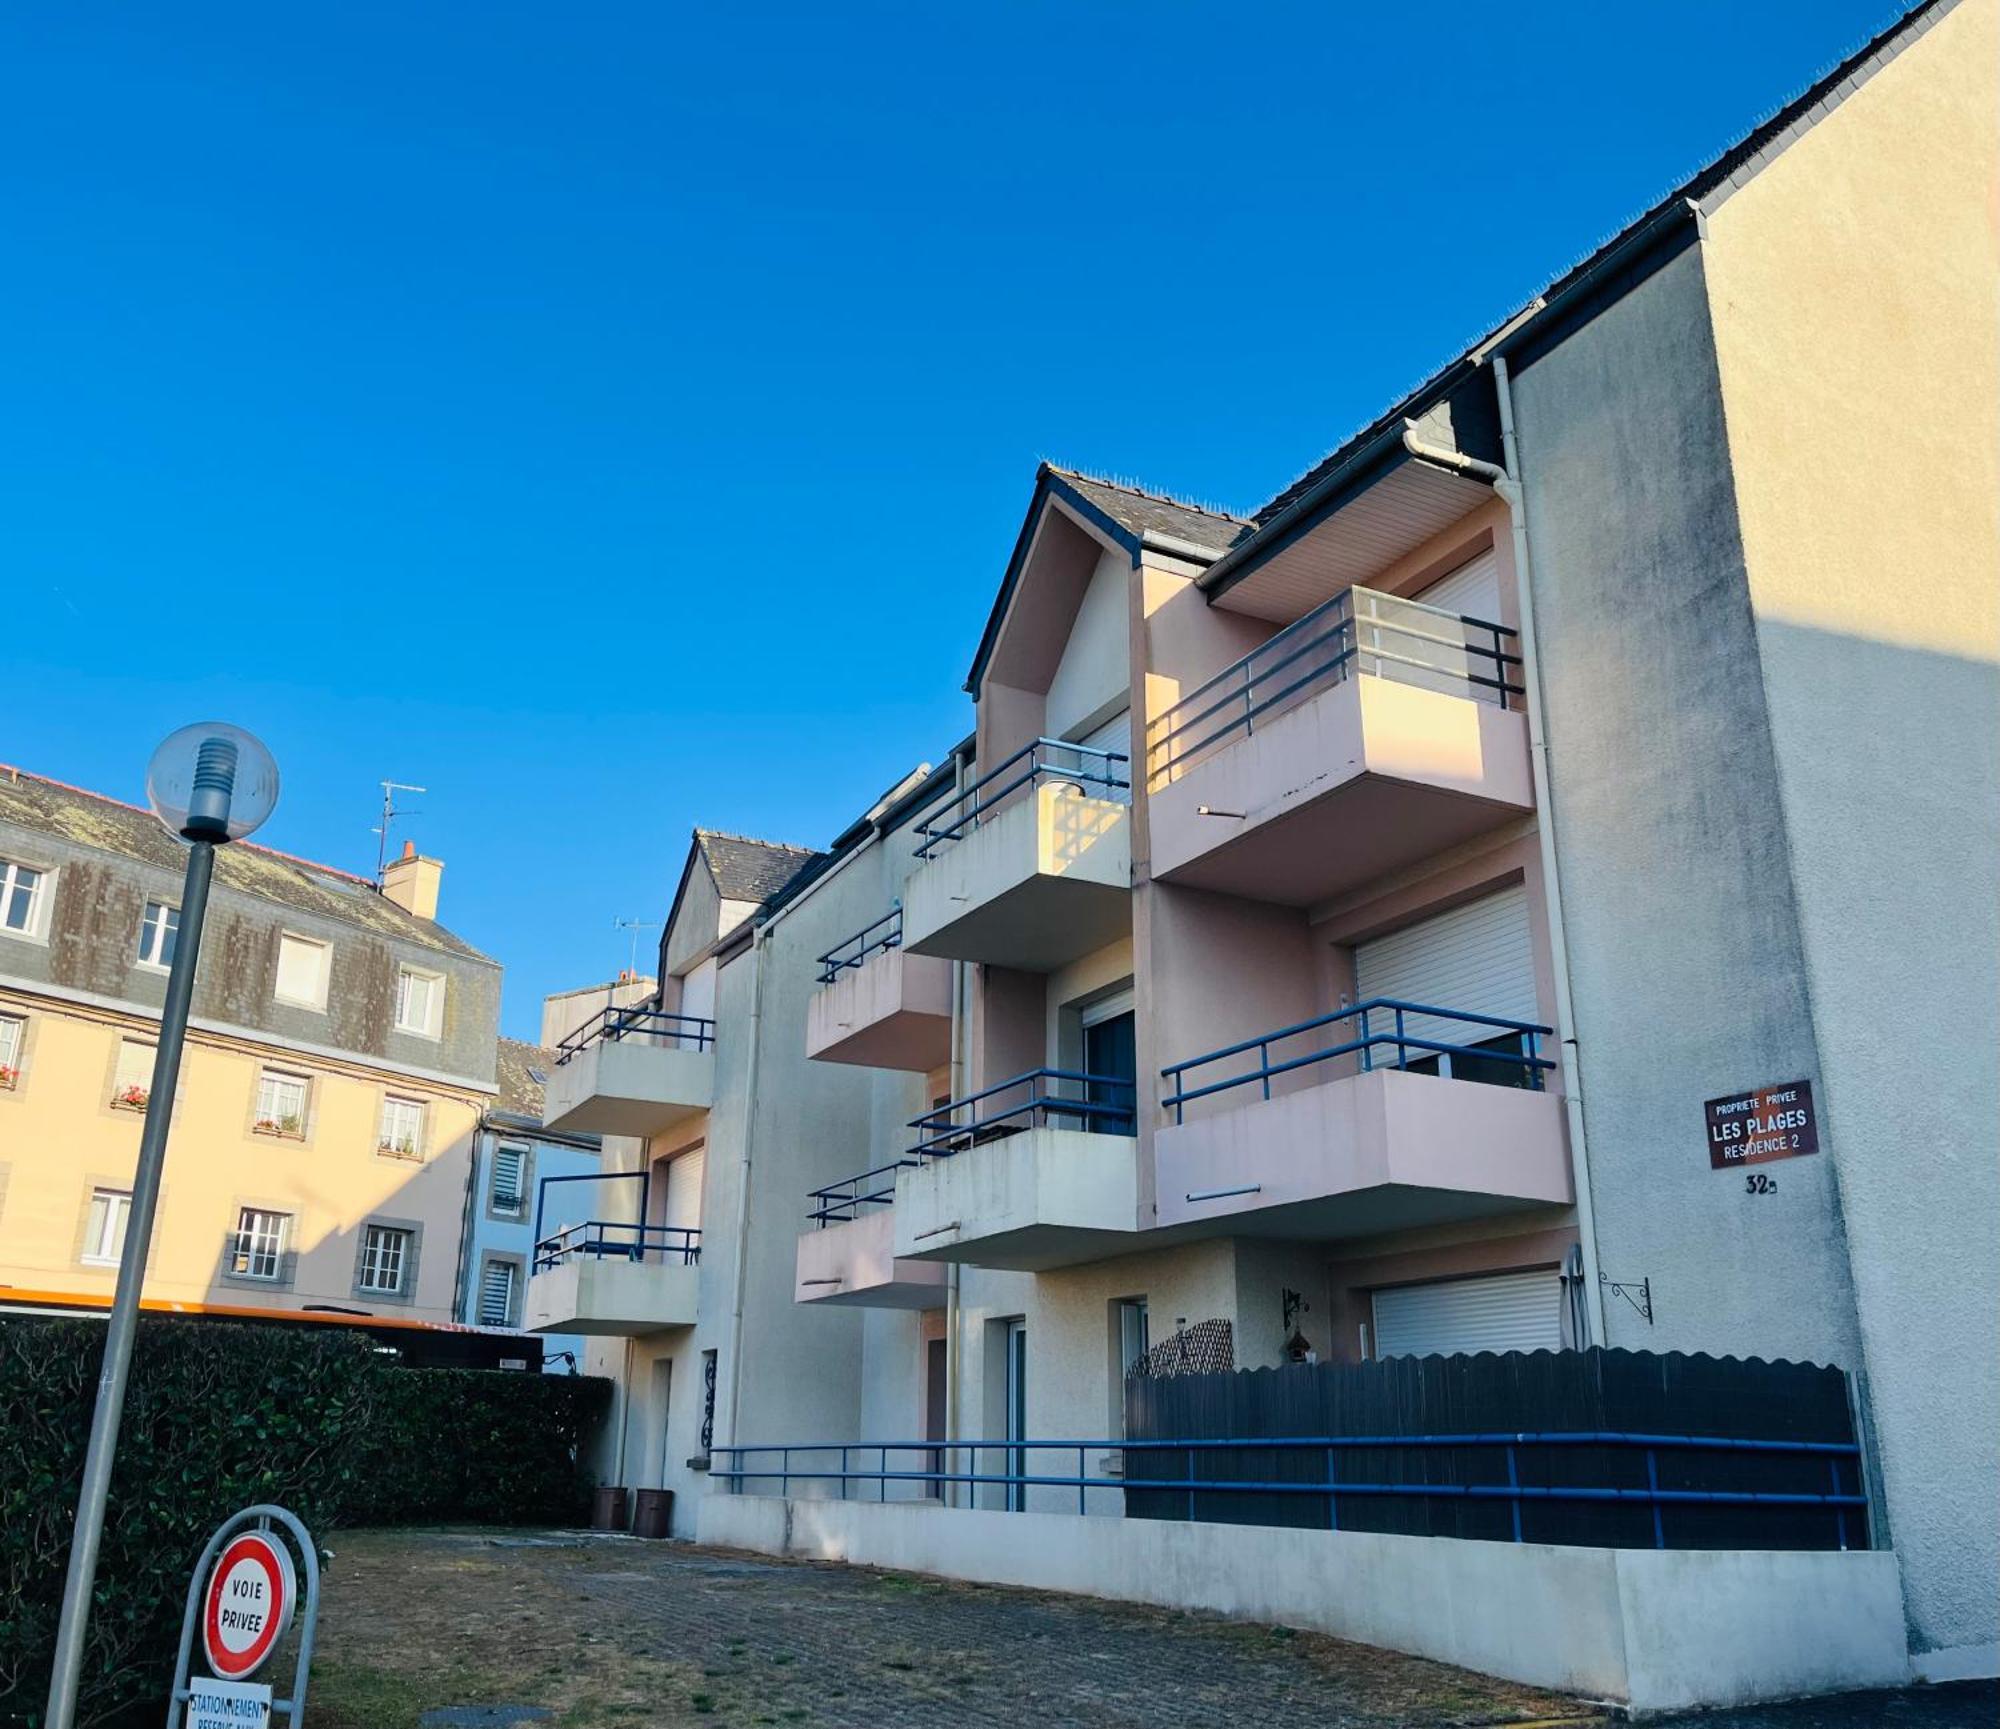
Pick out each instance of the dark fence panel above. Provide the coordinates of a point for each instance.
(1590, 1392)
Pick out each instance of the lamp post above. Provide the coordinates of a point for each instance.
(210, 784)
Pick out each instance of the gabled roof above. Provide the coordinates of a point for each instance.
(1128, 516)
(1586, 287)
(520, 1071)
(111, 826)
(743, 869)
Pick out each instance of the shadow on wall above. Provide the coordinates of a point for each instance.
(1073, 826)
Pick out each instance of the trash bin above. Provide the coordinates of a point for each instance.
(607, 1510)
(656, 1513)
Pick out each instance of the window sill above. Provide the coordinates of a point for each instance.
(408, 1156)
(278, 1134)
(138, 1110)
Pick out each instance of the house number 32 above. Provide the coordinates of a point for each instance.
(1756, 1183)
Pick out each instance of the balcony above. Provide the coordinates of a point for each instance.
(610, 1278)
(632, 1071)
(1037, 1172)
(1383, 1116)
(1031, 866)
(1370, 734)
(880, 1006)
(848, 1257)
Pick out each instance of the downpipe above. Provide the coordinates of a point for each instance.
(1507, 483)
(736, 1278)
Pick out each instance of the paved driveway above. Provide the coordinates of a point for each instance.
(605, 1631)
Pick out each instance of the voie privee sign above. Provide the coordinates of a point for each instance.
(1754, 1128)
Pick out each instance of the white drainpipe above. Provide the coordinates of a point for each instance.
(743, 1192)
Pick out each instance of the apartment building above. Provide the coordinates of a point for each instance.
(513, 1154)
(339, 1057)
(1526, 885)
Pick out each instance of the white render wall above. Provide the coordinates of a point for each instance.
(1655, 1631)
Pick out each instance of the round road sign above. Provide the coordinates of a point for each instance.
(249, 1603)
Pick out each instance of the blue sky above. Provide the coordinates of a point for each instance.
(616, 417)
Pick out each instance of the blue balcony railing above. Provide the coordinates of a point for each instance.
(1381, 1037)
(1358, 631)
(616, 1240)
(884, 934)
(1105, 1104)
(642, 1021)
(851, 1197)
(1107, 773)
(933, 1464)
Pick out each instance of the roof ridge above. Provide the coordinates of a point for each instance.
(19, 773)
(751, 840)
(1137, 491)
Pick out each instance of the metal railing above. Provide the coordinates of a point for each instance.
(1082, 765)
(619, 1240)
(884, 934)
(938, 1459)
(941, 1132)
(1380, 1023)
(1359, 629)
(642, 1021)
(849, 1198)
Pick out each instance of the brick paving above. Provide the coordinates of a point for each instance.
(611, 1631)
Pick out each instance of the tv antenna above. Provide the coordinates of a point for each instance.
(389, 814)
(635, 926)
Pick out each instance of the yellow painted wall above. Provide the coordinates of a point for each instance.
(61, 1136)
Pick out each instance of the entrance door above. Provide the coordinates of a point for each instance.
(658, 1407)
(1111, 1052)
(1017, 1411)
(1500, 1312)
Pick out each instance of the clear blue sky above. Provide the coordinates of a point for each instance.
(616, 417)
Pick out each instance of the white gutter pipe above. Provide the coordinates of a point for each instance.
(757, 959)
(1507, 483)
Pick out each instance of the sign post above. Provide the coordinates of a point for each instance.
(241, 1602)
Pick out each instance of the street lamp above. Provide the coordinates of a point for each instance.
(210, 784)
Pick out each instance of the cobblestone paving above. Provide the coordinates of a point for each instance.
(623, 1633)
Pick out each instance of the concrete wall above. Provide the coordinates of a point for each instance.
(1852, 284)
(1653, 1631)
(1686, 969)
(1094, 673)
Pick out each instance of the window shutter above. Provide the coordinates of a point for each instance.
(1476, 957)
(508, 1163)
(1505, 1312)
(301, 970)
(496, 1295)
(135, 1066)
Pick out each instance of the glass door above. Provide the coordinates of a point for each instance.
(1017, 1411)
(1111, 1053)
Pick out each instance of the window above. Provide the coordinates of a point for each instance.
(419, 1002)
(385, 1259)
(510, 1180)
(496, 1294)
(1133, 1334)
(158, 932)
(21, 899)
(402, 1134)
(13, 1035)
(104, 1229)
(132, 1083)
(281, 1104)
(302, 970)
(260, 1244)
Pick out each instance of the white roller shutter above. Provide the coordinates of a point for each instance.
(1477, 957)
(1504, 1312)
(1114, 734)
(1472, 590)
(682, 1206)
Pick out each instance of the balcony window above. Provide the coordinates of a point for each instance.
(281, 1104)
(1111, 1057)
(259, 1248)
(22, 897)
(104, 1227)
(401, 1133)
(159, 932)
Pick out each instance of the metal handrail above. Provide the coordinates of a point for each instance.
(619, 1240)
(726, 1465)
(1532, 1065)
(841, 1202)
(864, 943)
(608, 1026)
(1333, 622)
(938, 833)
(948, 1137)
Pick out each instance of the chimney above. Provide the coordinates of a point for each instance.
(412, 882)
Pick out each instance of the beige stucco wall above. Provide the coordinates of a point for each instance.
(1853, 285)
(61, 1137)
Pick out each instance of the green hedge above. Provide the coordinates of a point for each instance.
(218, 1417)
